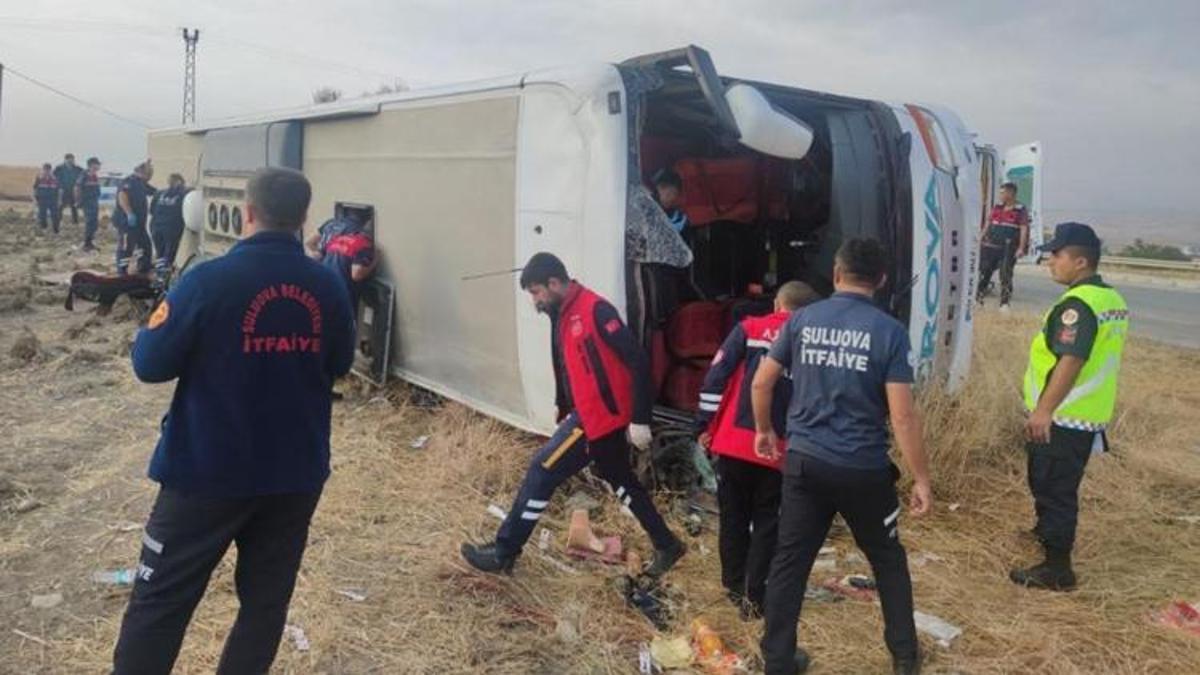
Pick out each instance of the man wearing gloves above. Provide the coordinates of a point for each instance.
(603, 396)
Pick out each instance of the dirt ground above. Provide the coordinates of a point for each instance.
(383, 591)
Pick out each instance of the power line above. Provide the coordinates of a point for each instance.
(38, 83)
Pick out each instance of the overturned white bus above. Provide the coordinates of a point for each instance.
(463, 183)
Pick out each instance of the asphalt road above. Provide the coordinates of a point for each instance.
(1161, 312)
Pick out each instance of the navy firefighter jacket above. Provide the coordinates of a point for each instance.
(256, 339)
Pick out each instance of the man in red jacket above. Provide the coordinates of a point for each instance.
(603, 394)
(749, 487)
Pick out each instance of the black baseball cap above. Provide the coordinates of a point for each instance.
(1072, 234)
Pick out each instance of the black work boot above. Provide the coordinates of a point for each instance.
(906, 665)
(486, 558)
(1053, 574)
(802, 660)
(665, 558)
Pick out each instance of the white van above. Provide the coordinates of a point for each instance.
(463, 183)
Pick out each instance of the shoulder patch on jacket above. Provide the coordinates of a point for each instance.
(613, 325)
(159, 317)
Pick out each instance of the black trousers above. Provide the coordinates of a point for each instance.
(166, 243)
(48, 214)
(992, 258)
(91, 222)
(68, 200)
(813, 491)
(133, 240)
(564, 455)
(183, 542)
(1055, 470)
(749, 496)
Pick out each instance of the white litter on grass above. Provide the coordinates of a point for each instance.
(645, 662)
(419, 442)
(559, 565)
(955, 506)
(924, 558)
(126, 527)
(544, 539)
(46, 601)
(353, 594)
(1190, 520)
(940, 630)
(297, 637)
(497, 512)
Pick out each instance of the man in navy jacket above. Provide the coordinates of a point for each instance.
(255, 339)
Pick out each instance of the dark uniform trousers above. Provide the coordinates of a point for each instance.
(166, 243)
(1004, 259)
(91, 221)
(1055, 470)
(748, 495)
(564, 455)
(813, 491)
(133, 240)
(184, 540)
(48, 213)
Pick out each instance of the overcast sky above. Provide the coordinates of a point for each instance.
(1112, 89)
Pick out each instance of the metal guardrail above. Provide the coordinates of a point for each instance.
(1149, 263)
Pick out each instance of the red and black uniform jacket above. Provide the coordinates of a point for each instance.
(1004, 226)
(600, 370)
(45, 188)
(726, 410)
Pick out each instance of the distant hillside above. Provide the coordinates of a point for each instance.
(15, 182)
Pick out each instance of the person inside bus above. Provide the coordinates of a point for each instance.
(345, 245)
(668, 189)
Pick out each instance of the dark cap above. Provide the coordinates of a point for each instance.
(1072, 234)
(1008, 185)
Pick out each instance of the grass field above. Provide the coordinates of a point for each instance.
(16, 182)
(77, 430)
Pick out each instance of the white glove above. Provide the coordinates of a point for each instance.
(640, 436)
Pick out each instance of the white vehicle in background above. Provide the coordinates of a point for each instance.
(109, 182)
(463, 183)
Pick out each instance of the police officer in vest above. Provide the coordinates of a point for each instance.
(255, 339)
(748, 489)
(851, 373)
(603, 395)
(1070, 391)
(45, 195)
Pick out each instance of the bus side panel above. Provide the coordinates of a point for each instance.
(441, 177)
(571, 168)
(178, 152)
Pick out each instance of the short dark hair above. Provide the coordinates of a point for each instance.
(93, 160)
(1088, 253)
(541, 268)
(280, 197)
(175, 177)
(795, 294)
(864, 259)
(47, 165)
(667, 176)
(69, 155)
(1009, 185)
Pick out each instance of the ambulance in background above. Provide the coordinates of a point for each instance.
(463, 183)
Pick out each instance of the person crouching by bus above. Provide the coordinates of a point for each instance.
(749, 484)
(45, 194)
(603, 395)
(87, 195)
(166, 225)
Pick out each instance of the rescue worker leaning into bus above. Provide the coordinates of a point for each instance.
(1070, 392)
(344, 244)
(748, 485)
(45, 195)
(603, 395)
(851, 373)
(1005, 239)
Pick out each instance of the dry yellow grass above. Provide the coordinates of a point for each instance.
(392, 518)
(15, 182)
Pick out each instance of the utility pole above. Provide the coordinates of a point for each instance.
(190, 38)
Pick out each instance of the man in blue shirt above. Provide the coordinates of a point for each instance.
(129, 220)
(255, 338)
(850, 369)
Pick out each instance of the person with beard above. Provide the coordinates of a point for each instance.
(604, 403)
